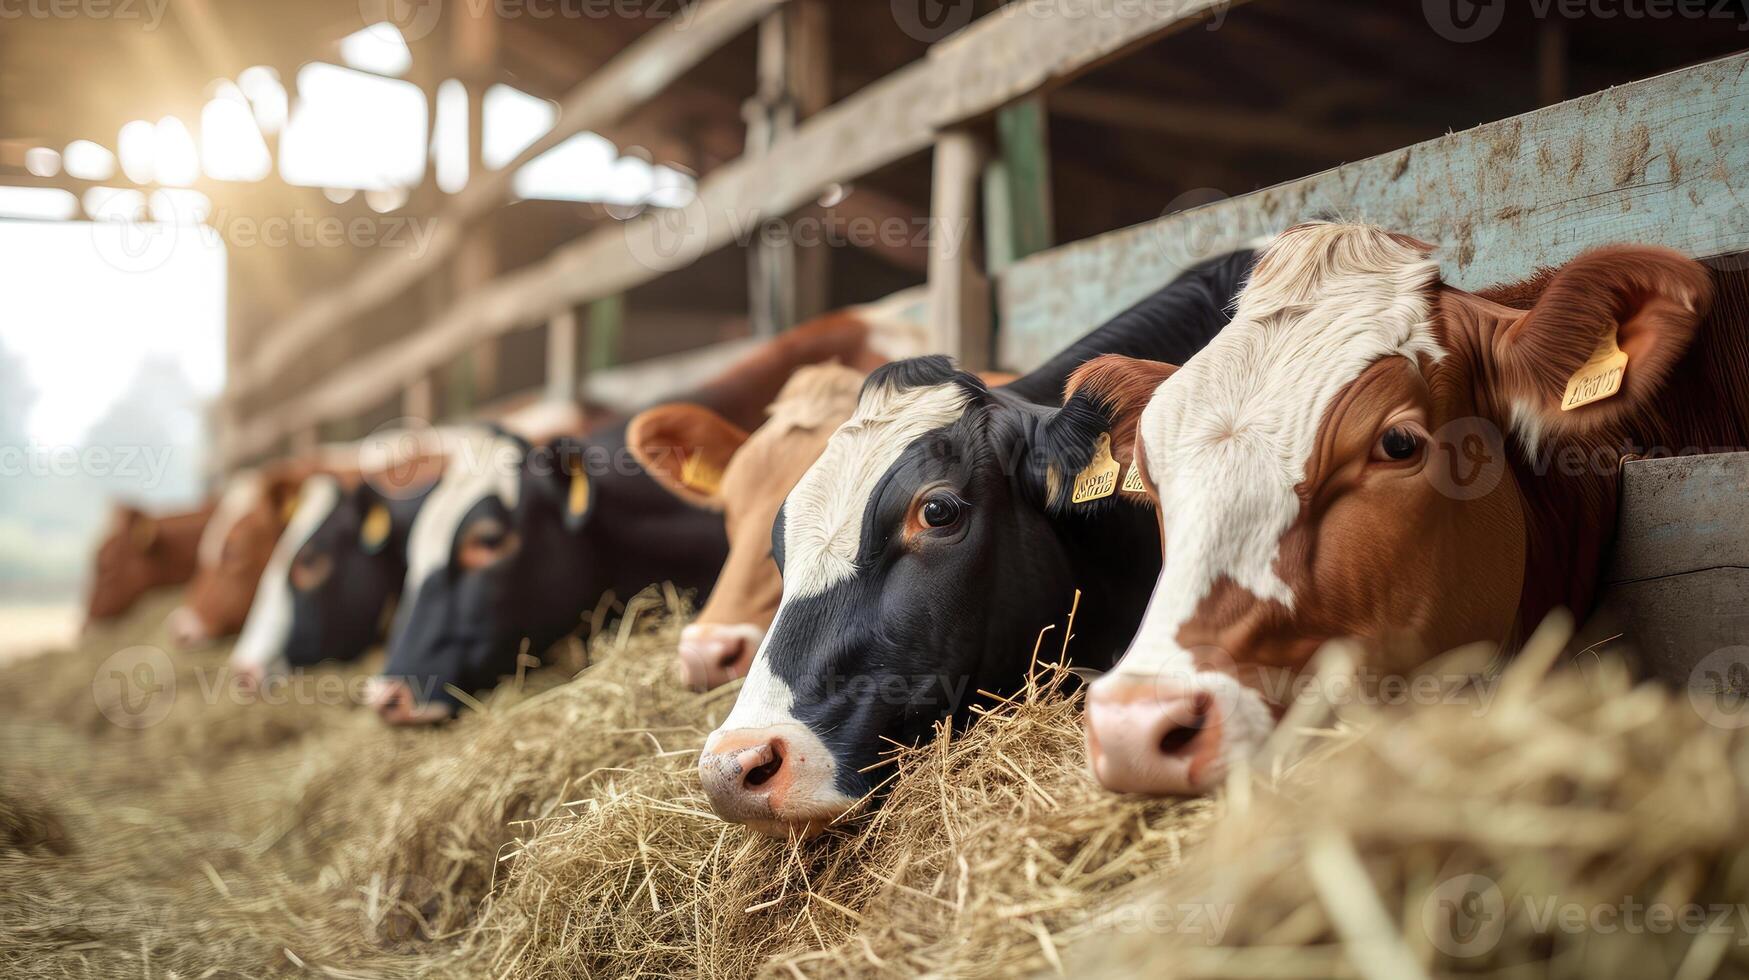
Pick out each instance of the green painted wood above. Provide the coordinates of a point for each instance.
(1662, 161)
(606, 324)
(1017, 188)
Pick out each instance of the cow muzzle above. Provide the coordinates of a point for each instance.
(713, 654)
(187, 630)
(776, 780)
(393, 700)
(1171, 735)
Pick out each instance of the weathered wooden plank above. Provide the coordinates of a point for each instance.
(1665, 161)
(1031, 46)
(1678, 577)
(646, 67)
(959, 294)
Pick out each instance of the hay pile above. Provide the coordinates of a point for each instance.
(561, 831)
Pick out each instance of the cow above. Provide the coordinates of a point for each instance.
(336, 572)
(707, 461)
(1320, 471)
(756, 471)
(514, 549)
(945, 526)
(139, 553)
(234, 549)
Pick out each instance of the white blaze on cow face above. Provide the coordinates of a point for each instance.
(1228, 439)
(239, 498)
(261, 647)
(483, 464)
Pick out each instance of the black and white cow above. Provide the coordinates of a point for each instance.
(520, 542)
(334, 576)
(939, 532)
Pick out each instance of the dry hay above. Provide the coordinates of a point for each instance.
(563, 832)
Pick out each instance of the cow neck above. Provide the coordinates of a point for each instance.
(1114, 557)
(1170, 325)
(1570, 510)
(741, 393)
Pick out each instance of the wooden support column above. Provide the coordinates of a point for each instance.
(959, 297)
(562, 355)
(474, 52)
(606, 321)
(419, 400)
(787, 284)
(1018, 219)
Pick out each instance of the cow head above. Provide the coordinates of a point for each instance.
(921, 556)
(334, 575)
(1313, 470)
(138, 553)
(707, 461)
(233, 552)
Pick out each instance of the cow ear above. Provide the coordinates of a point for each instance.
(1602, 338)
(1081, 454)
(282, 494)
(142, 531)
(686, 448)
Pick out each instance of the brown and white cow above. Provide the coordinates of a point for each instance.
(141, 552)
(234, 548)
(1315, 470)
(709, 462)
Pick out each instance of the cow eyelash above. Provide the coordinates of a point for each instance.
(943, 506)
(1400, 443)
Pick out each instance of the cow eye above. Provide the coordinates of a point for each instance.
(310, 569)
(1397, 444)
(940, 510)
(485, 542)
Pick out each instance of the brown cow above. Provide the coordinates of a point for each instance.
(708, 461)
(1320, 470)
(140, 553)
(233, 551)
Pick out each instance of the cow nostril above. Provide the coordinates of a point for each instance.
(759, 775)
(730, 654)
(1178, 739)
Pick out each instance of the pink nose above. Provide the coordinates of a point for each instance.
(713, 654)
(776, 780)
(186, 629)
(1163, 738)
(395, 704)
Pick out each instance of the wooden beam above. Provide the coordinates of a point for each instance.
(646, 67)
(959, 307)
(1659, 161)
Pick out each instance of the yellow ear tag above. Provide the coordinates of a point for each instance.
(1099, 479)
(1598, 378)
(579, 499)
(290, 508)
(1132, 480)
(375, 529)
(698, 474)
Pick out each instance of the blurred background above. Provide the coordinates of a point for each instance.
(232, 229)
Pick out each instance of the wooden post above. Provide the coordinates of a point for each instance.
(959, 300)
(562, 355)
(419, 400)
(1018, 219)
(606, 320)
(474, 51)
(787, 284)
